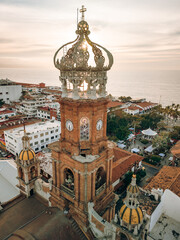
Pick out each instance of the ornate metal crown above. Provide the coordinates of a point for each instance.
(83, 63)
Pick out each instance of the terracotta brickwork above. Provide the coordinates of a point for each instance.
(73, 110)
(84, 188)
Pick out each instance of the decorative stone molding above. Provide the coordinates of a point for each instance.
(100, 227)
(83, 65)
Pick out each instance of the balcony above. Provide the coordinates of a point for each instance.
(100, 189)
(67, 190)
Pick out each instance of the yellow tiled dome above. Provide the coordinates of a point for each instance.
(131, 215)
(133, 189)
(27, 154)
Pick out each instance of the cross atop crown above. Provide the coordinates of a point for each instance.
(83, 10)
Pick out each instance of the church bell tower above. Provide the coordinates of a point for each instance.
(82, 165)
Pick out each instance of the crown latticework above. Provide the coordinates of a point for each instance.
(83, 69)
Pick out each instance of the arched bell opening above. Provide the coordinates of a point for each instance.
(33, 172)
(20, 173)
(100, 178)
(69, 179)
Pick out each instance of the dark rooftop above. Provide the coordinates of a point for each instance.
(30, 218)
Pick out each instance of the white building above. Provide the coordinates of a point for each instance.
(8, 181)
(40, 134)
(33, 89)
(50, 111)
(29, 106)
(133, 110)
(4, 114)
(165, 220)
(55, 105)
(44, 113)
(9, 91)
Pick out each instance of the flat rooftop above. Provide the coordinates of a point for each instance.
(166, 228)
(30, 217)
(8, 181)
(34, 128)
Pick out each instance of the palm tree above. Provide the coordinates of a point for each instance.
(167, 113)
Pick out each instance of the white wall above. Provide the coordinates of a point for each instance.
(169, 205)
(10, 93)
(40, 135)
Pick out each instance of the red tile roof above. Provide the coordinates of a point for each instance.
(175, 150)
(114, 104)
(167, 178)
(123, 161)
(6, 111)
(53, 91)
(133, 108)
(146, 104)
(39, 85)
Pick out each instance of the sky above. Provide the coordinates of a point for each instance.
(141, 34)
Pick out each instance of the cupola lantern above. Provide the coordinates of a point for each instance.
(83, 65)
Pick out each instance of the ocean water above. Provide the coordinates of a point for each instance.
(156, 86)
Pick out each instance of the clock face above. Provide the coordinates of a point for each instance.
(99, 124)
(69, 125)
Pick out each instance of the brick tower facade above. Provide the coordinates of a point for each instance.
(82, 165)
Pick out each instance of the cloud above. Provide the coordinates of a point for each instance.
(6, 40)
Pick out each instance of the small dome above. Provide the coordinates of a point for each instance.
(131, 216)
(133, 189)
(27, 154)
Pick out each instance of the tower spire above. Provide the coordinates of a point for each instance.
(25, 139)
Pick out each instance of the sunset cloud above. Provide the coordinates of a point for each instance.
(136, 31)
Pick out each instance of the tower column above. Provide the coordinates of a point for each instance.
(58, 174)
(26, 177)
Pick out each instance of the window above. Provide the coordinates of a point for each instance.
(52, 137)
(36, 143)
(6, 92)
(52, 131)
(46, 133)
(36, 136)
(47, 139)
(42, 140)
(36, 149)
(7, 98)
(42, 134)
(31, 144)
(56, 136)
(56, 130)
(84, 129)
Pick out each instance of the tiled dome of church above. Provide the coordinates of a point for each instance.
(131, 215)
(26, 154)
(133, 189)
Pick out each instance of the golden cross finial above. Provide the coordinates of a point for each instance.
(83, 10)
